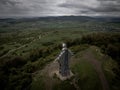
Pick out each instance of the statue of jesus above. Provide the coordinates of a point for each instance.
(63, 60)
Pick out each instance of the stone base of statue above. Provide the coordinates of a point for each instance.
(64, 77)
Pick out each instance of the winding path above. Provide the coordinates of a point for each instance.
(97, 65)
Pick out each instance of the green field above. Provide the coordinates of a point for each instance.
(28, 46)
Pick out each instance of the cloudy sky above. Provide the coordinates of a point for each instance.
(32, 8)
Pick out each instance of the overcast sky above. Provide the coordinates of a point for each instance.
(28, 8)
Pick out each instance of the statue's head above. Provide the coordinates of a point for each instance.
(64, 45)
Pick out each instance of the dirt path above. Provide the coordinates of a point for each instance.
(12, 50)
(48, 73)
(97, 65)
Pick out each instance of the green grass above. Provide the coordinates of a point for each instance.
(64, 85)
(97, 53)
(38, 84)
(86, 75)
(109, 67)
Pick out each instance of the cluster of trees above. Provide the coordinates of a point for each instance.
(12, 76)
(16, 71)
(108, 42)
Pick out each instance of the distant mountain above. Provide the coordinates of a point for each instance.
(107, 19)
(63, 18)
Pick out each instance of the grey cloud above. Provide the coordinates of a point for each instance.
(59, 7)
(32, 8)
(108, 6)
(102, 7)
(6, 2)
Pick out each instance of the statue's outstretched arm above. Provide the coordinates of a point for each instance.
(60, 55)
(71, 52)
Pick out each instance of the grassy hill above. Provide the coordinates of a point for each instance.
(92, 70)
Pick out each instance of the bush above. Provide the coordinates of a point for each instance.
(29, 68)
(113, 51)
(19, 82)
(16, 62)
(12, 76)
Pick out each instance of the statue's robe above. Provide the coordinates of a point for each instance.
(63, 60)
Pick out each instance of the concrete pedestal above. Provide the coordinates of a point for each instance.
(63, 77)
